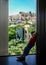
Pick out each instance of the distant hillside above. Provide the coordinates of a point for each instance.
(23, 16)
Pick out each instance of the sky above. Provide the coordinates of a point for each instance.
(16, 6)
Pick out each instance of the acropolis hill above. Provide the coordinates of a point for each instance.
(23, 16)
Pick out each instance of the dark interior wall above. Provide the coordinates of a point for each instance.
(3, 27)
(45, 23)
(41, 29)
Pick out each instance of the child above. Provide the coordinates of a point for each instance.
(29, 46)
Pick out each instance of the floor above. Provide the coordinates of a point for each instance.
(11, 60)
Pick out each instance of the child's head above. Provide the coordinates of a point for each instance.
(33, 33)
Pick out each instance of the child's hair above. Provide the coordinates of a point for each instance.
(35, 33)
(32, 32)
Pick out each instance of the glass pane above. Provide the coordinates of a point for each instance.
(22, 21)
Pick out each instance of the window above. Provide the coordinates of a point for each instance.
(22, 21)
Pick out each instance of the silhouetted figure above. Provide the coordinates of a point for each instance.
(30, 44)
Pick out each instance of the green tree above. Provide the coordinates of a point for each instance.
(11, 32)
